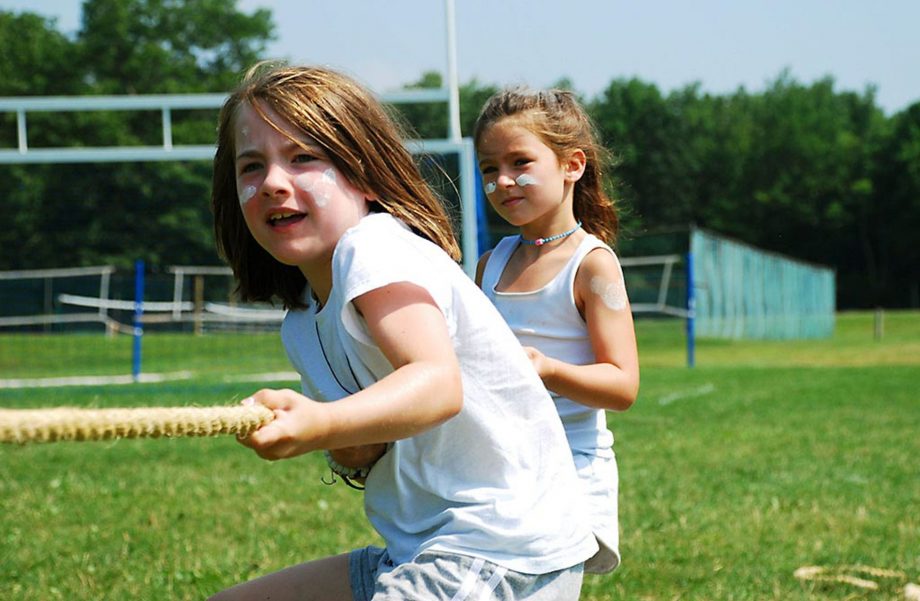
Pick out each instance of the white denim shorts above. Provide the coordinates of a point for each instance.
(599, 476)
(436, 576)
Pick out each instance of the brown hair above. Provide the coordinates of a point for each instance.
(556, 117)
(362, 139)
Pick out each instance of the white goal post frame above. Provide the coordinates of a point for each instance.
(660, 306)
(166, 104)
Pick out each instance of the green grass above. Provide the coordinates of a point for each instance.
(766, 457)
(55, 355)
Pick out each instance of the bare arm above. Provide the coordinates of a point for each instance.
(364, 455)
(423, 391)
(612, 381)
(481, 267)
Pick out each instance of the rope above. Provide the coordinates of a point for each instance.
(839, 575)
(68, 423)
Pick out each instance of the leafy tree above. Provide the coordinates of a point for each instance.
(801, 169)
(473, 97)
(426, 120)
(644, 131)
(79, 214)
(35, 59)
(806, 172)
(890, 220)
(169, 46)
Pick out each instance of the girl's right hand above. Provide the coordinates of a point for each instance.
(299, 426)
(541, 363)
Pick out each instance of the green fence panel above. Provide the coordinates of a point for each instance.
(745, 292)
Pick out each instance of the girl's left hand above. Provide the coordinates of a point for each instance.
(299, 426)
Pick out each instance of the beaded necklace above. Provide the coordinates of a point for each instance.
(542, 241)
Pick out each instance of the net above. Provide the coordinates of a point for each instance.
(71, 330)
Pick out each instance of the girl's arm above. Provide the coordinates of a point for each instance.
(424, 390)
(612, 381)
(481, 267)
(360, 456)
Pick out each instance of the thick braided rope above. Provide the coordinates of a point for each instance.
(839, 575)
(67, 423)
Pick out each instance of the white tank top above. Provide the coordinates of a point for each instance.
(548, 320)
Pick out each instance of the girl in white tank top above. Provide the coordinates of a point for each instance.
(558, 284)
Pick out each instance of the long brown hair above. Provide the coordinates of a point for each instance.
(362, 139)
(556, 117)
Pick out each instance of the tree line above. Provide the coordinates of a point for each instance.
(802, 169)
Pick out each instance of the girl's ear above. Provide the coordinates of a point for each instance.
(574, 165)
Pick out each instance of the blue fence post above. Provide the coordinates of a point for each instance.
(691, 313)
(138, 314)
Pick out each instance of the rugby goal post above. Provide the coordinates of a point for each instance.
(663, 285)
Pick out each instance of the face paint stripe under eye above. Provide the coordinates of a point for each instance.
(246, 194)
(318, 186)
(525, 179)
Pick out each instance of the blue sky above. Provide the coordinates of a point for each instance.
(721, 44)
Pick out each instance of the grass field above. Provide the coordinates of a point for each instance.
(764, 458)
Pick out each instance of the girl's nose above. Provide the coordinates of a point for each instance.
(277, 182)
(504, 180)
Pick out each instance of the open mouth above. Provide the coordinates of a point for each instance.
(285, 218)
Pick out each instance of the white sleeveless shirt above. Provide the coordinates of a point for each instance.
(548, 320)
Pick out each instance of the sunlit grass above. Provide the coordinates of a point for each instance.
(764, 458)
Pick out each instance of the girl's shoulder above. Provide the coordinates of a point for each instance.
(598, 260)
(590, 243)
(382, 250)
(374, 225)
(379, 238)
(591, 251)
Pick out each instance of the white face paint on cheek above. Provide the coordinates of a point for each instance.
(246, 194)
(320, 187)
(490, 187)
(613, 294)
(525, 179)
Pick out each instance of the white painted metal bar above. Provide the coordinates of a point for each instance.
(453, 86)
(37, 320)
(200, 270)
(665, 282)
(21, 137)
(416, 96)
(136, 102)
(104, 284)
(469, 229)
(160, 102)
(120, 305)
(649, 260)
(128, 102)
(167, 129)
(23, 274)
(168, 151)
(177, 294)
(111, 154)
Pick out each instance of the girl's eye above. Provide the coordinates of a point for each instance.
(487, 170)
(248, 167)
(521, 162)
(304, 158)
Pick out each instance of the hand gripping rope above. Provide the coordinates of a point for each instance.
(68, 423)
